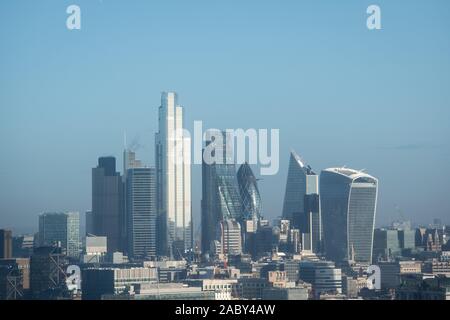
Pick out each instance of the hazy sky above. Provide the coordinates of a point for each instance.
(339, 93)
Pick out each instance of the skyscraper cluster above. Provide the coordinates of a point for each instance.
(140, 243)
(146, 211)
(334, 219)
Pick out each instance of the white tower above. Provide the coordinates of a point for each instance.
(173, 165)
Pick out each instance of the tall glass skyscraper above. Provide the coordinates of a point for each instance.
(348, 201)
(220, 191)
(248, 189)
(173, 176)
(141, 212)
(301, 202)
(63, 229)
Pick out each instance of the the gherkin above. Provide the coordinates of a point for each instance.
(248, 189)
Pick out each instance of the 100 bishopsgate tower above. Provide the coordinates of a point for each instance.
(348, 201)
(173, 177)
(301, 203)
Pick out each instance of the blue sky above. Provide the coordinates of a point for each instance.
(339, 93)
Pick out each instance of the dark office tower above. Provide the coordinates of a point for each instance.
(107, 203)
(89, 218)
(5, 244)
(301, 203)
(348, 202)
(251, 200)
(220, 191)
(141, 212)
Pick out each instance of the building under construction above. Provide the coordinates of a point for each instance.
(47, 274)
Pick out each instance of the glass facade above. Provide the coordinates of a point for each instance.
(348, 204)
(386, 244)
(61, 229)
(173, 172)
(301, 202)
(248, 189)
(141, 212)
(407, 239)
(220, 191)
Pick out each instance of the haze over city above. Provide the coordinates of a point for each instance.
(339, 94)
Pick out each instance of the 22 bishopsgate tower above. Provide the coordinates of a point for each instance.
(349, 200)
(173, 177)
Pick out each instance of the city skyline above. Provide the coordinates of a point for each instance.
(246, 152)
(352, 107)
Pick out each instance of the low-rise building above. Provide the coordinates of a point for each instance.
(416, 287)
(97, 282)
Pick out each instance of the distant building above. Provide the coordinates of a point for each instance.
(141, 212)
(61, 229)
(407, 239)
(250, 197)
(415, 287)
(230, 237)
(301, 202)
(284, 226)
(290, 293)
(292, 269)
(220, 191)
(96, 250)
(14, 278)
(266, 240)
(5, 244)
(386, 244)
(173, 176)
(252, 288)
(47, 275)
(163, 291)
(295, 241)
(348, 203)
(279, 279)
(114, 281)
(130, 161)
(322, 275)
(23, 246)
(89, 218)
(430, 239)
(437, 267)
(392, 271)
(352, 286)
(107, 203)
(224, 289)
